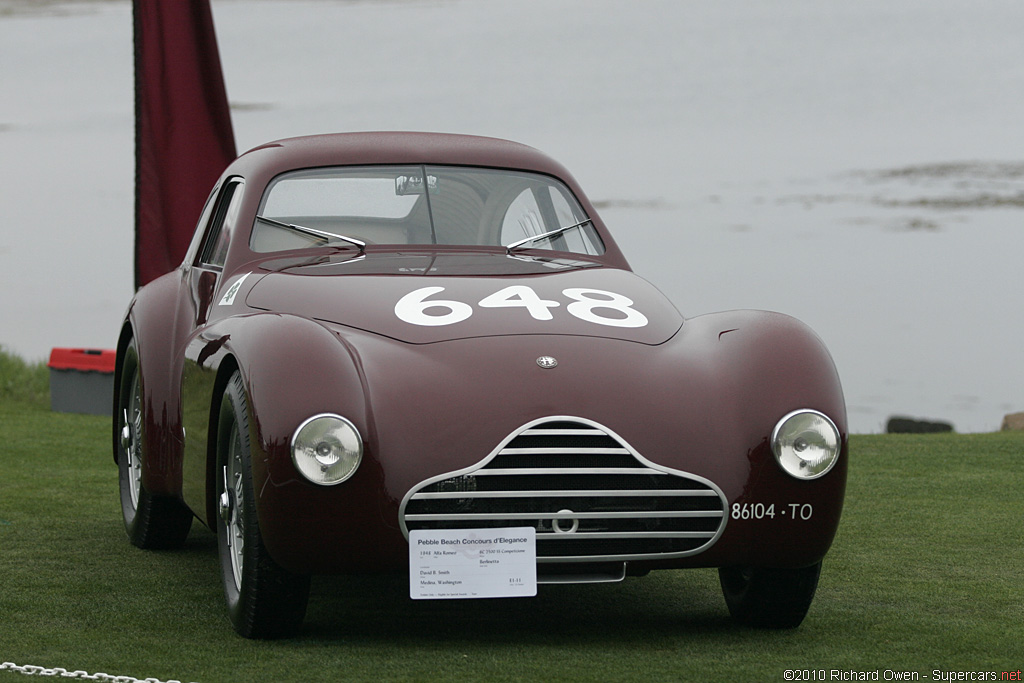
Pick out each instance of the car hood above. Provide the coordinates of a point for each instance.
(427, 298)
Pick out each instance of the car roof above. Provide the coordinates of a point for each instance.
(348, 149)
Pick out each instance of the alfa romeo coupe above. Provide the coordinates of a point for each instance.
(375, 337)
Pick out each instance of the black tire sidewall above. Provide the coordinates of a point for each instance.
(769, 598)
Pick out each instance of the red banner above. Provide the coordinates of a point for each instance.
(183, 134)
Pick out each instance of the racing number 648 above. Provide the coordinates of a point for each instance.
(586, 304)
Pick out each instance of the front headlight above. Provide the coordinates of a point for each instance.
(806, 444)
(327, 449)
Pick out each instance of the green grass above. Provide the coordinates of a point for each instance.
(23, 382)
(926, 573)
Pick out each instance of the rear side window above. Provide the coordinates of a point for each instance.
(215, 246)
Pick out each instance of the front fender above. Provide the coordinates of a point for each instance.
(758, 367)
(292, 368)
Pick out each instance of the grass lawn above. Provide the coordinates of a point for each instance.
(927, 573)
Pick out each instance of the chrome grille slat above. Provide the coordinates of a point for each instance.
(563, 493)
(667, 514)
(562, 432)
(563, 451)
(631, 534)
(565, 470)
(590, 496)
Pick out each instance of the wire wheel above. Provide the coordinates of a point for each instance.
(263, 599)
(131, 443)
(151, 521)
(229, 509)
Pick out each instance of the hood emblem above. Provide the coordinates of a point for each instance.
(547, 362)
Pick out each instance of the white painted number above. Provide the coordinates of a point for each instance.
(521, 295)
(753, 511)
(412, 308)
(585, 304)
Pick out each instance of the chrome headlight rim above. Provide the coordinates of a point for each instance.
(789, 462)
(308, 464)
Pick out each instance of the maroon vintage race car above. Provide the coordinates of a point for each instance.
(383, 336)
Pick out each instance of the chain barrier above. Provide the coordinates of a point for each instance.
(30, 670)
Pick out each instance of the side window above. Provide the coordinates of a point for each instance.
(195, 245)
(218, 236)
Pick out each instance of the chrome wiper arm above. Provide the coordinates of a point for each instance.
(314, 232)
(546, 235)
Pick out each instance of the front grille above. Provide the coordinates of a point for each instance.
(588, 494)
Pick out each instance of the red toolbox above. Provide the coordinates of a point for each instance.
(82, 381)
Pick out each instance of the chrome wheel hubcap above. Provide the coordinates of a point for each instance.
(230, 500)
(131, 428)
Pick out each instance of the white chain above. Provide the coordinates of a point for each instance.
(31, 670)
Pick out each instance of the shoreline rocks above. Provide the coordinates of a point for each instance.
(1013, 422)
(906, 425)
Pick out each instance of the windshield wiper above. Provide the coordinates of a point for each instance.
(315, 233)
(546, 235)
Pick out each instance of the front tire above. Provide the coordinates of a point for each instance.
(264, 600)
(769, 598)
(152, 522)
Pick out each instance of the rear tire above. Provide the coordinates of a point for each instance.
(152, 522)
(264, 600)
(769, 598)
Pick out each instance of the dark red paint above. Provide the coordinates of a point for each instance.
(312, 333)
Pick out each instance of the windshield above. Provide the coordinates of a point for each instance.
(400, 205)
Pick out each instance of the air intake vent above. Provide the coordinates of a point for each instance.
(589, 495)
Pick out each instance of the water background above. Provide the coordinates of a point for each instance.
(857, 165)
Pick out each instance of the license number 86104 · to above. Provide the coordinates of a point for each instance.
(801, 511)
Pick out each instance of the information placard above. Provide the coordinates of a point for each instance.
(473, 563)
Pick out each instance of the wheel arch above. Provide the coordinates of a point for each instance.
(151, 322)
